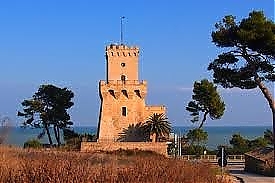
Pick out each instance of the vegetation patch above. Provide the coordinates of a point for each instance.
(36, 166)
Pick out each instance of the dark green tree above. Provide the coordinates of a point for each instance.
(241, 145)
(69, 134)
(248, 52)
(48, 109)
(197, 139)
(158, 126)
(205, 100)
(257, 143)
(197, 136)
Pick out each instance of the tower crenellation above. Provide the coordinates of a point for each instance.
(122, 51)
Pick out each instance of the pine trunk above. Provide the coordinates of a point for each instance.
(273, 113)
(268, 95)
(204, 119)
(49, 135)
(56, 135)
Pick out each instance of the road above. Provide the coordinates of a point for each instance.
(249, 177)
(236, 168)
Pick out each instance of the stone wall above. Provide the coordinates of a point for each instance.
(159, 147)
(254, 165)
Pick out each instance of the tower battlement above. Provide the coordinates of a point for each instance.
(122, 51)
(119, 82)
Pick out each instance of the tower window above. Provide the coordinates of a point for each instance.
(124, 111)
(123, 78)
(122, 64)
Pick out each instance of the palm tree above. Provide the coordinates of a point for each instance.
(158, 126)
(134, 133)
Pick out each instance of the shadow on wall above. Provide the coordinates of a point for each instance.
(134, 133)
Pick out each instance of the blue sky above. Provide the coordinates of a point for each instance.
(63, 42)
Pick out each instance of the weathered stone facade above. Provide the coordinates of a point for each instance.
(122, 94)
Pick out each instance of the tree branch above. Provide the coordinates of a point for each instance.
(204, 119)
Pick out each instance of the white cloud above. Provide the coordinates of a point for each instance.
(222, 90)
(239, 91)
(183, 89)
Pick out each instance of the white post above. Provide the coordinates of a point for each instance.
(180, 145)
(176, 143)
(222, 161)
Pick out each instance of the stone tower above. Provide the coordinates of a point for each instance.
(122, 94)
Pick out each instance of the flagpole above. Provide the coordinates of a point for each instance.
(121, 30)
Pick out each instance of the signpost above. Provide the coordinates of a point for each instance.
(222, 161)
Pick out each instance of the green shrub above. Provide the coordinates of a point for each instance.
(33, 143)
(194, 150)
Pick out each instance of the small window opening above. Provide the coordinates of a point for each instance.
(112, 92)
(125, 93)
(138, 93)
(123, 78)
(124, 111)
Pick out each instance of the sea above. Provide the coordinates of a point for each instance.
(217, 135)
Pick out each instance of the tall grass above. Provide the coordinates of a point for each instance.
(41, 166)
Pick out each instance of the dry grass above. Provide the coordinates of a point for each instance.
(41, 166)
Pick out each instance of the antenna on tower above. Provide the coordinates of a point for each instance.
(121, 30)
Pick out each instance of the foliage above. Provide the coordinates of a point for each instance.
(268, 136)
(206, 100)
(69, 134)
(48, 108)
(248, 52)
(194, 149)
(134, 133)
(88, 137)
(73, 140)
(159, 125)
(197, 136)
(33, 166)
(4, 128)
(241, 145)
(196, 142)
(33, 143)
(172, 149)
(252, 41)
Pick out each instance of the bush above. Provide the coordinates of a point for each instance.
(33, 143)
(194, 150)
